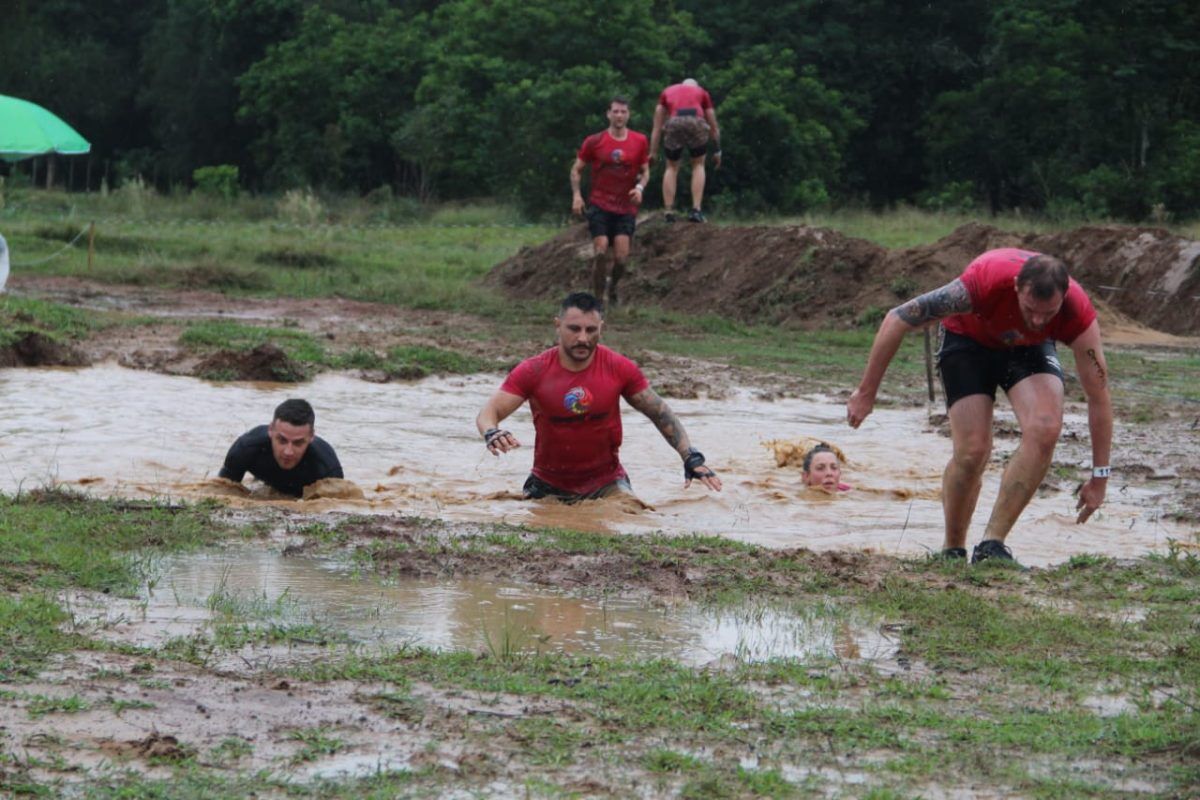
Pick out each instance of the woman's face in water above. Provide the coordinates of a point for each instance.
(824, 472)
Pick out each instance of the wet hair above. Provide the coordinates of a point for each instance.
(584, 301)
(618, 98)
(295, 412)
(821, 448)
(1045, 276)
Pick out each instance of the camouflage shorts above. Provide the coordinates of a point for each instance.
(681, 132)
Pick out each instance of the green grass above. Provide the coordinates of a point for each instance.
(907, 226)
(253, 247)
(20, 315)
(404, 362)
(316, 742)
(54, 540)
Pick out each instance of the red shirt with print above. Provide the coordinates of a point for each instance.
(615, 167)
(576, 416)
(677, 97)
(995, 320)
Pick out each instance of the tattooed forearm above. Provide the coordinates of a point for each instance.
(953, 298)
(657, 410)
(1099, 367)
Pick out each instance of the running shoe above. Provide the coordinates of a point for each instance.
(669, 216)
(994, 550)
(951, 554)
(695, 215)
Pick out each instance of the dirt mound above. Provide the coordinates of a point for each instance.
(815, 277)
(264, 363)
(38, 350)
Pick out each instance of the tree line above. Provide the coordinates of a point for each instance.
(1060, 106)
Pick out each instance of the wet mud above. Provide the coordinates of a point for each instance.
(432, 465)
(38, 350)
(266, 362)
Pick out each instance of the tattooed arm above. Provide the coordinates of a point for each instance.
(656, 409)
(1093, 376)
(953, 298)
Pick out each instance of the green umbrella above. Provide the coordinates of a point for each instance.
(27, 130)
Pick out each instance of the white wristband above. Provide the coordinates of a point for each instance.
(1101, 472)
(640, 187)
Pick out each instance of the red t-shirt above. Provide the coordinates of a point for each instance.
(679, 96)
(615, 168)
(577, 416)
(996, 320)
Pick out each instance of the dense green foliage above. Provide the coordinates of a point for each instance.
(1063, 106)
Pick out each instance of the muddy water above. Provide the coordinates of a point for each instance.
(478, 615)
(412, 449)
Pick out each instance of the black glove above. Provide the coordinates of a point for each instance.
(492, 434)
(695, 459)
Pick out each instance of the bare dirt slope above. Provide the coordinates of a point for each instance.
(816, 277)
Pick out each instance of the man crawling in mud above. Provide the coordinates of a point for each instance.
(286, 455)
(1000, 320)
(574, 390)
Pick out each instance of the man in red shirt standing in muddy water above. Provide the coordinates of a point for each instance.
(620, 167)
(1001, 318)
(574, 390)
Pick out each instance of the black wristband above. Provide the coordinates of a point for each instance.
(492, 434)
(694, 459)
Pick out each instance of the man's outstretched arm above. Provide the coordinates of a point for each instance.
(1093, 376)
(498, 407)
(656, 409)
(953, 298)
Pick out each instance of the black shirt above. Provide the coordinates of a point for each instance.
(252, 453)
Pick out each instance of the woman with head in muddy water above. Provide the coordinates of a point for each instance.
(823, 470)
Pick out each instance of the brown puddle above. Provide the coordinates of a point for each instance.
(466, 614)
(411, 448)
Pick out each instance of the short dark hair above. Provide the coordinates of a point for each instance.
(821, 448)
(584, 301)
(618, 98)
(1044, 275)
(295, 412)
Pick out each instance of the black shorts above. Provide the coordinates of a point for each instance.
(535, 489)
(610, 225)
(967, 367)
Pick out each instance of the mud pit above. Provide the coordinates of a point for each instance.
(412, 450)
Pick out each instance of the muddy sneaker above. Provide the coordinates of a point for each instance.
(950, 554)
(993, 550)
(695, 215)
(669, 216)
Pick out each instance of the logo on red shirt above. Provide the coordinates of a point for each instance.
(577, 400)
(617, 155)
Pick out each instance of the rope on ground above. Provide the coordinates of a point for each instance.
(55, 254)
